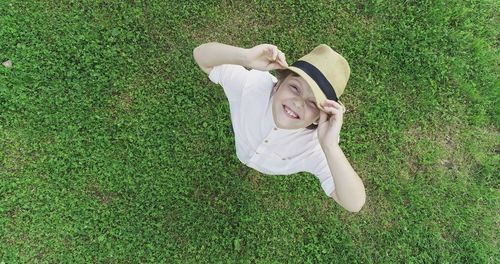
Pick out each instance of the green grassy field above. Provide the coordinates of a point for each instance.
(116, 148)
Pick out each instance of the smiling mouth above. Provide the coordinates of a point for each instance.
(290, 113)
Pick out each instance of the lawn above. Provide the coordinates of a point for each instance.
(116, 148)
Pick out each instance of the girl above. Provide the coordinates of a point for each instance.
(290, 124)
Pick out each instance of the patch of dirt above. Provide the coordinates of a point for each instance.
(98, 194)
(15, 153)
(445, 141)
(238, 15)
(125, 100)
(452, 144)
(122, 102)
(254, 177)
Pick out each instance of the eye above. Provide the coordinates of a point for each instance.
(294, 88)
(312, 104)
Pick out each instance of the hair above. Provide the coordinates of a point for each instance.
(281, 75)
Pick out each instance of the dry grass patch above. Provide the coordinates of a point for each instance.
(442, 151)
(95, 192)
(15, 153)
(238, 20)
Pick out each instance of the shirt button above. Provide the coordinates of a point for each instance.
(275, 128)
(266, 141)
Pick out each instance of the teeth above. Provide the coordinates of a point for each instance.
(290, 112)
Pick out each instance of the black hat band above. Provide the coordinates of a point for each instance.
(318, 77)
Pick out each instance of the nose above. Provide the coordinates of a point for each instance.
(298, 103)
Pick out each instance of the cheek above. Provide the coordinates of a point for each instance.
(312, 115)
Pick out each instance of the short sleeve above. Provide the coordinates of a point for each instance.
(317, 164)
(231, 77)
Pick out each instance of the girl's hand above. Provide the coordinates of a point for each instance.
(266, 57)
(330, 123)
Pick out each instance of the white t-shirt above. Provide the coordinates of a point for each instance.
(259, 143)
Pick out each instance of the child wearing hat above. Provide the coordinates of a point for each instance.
(288, 124)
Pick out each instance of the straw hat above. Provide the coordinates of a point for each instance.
(326, 72)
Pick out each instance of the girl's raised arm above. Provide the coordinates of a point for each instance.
(261, 57)
(212, 54)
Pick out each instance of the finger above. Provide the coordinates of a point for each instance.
(332, 111)
(269, 52)
(332, 103)
(275, 53)
(274, 66)
(282, 59)
(322, 117)
(343, 107)
(338, 114)
(338, 108)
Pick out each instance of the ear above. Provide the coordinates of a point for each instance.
(276, 86)
(316, 122)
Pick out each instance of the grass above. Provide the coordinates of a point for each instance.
(116, 148)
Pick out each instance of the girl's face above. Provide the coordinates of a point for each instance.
(294, 105)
